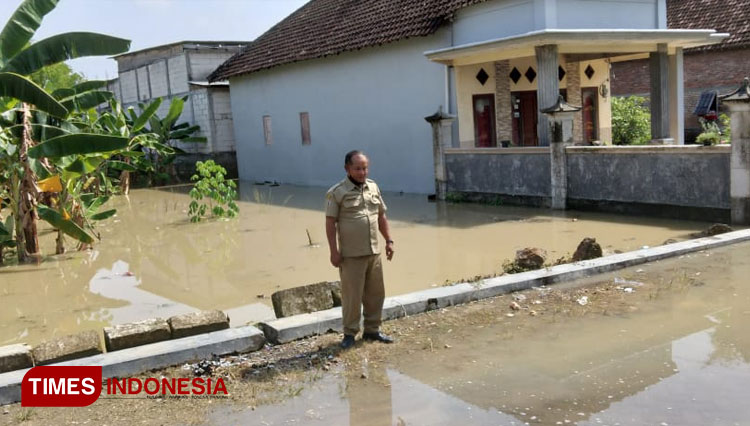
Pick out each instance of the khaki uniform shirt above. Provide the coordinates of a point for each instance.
(356, 210)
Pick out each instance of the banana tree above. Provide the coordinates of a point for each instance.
(18, 59)
(162, 155)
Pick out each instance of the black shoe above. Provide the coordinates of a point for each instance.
(347, 342)
(377, 337)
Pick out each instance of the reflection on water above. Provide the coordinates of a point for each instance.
(682, 357)
(173, 266)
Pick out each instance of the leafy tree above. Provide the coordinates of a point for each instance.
(631, 121)
(57, 76)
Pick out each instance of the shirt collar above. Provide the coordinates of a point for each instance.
(350, 185)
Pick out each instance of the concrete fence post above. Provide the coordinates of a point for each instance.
(560, 116)
(739, 109)
(441, 138)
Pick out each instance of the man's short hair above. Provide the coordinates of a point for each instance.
(350, 155)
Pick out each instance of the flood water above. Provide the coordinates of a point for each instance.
(152, 262)
(680, 356)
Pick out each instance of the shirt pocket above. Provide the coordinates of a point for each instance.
(352, 203)
(373, 203)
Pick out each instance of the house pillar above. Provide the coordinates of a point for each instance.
(738, 104)
(677, 100)
(503, 123)
(659, 70)
(442, 136)
(573, 77)
(548, 87)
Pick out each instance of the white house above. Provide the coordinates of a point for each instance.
(338, 75)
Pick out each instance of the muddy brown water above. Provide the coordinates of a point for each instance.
(679, 356)
(152, 262)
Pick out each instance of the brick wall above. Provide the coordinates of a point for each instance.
(503, 123)
(223, 136)
(709, 70)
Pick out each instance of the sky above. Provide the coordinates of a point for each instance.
(150, 23)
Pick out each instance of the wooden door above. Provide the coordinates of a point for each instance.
(484, 121)
(525, 112)
(590, 112)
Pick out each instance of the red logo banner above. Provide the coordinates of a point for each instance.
(58, 386)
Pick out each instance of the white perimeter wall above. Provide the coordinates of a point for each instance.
(374, 100)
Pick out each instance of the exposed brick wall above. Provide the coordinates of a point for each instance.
(573, 90)
(503, 123)
(709, 70)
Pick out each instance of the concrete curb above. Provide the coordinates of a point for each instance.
(292, 328)
(128, 362)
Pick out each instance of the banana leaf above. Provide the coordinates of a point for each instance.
(144, 118)
(81, 143)
(67, 226)
(21, 88)
(104, 215)
(22, 25)
(63, 47)
(87, 100)
(121, 165)
(84, 166)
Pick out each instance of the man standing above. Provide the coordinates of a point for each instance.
(355, 210)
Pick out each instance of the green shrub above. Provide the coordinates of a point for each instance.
(631, 121)
(211, 184)
(726, 128)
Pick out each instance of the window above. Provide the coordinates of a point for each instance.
(304, 120)
(267, 129)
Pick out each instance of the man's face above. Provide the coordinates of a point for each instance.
(358, 169)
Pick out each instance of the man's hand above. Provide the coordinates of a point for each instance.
(336, 259)
(389, 250)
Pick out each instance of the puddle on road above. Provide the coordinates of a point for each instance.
(153, 262)
(680, 356)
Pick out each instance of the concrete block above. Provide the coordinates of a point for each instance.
(335, 287)
(139, 333)
(302, 300)
(197, 323)
(66, 348)
(284, 330)
(132, 361)
(15, 357)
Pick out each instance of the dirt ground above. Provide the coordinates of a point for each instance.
(277, 373)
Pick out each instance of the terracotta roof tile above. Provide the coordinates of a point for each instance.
(328, 27)
(323, 28)
(726, 16)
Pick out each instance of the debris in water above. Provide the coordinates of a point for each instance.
(583, 301)
(447, 346)
(509, 315)
(628, 289)
(532, 313)
(519, 297)
(537, 302)
(515, 306)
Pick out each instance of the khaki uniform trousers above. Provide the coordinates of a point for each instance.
(362, 286)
